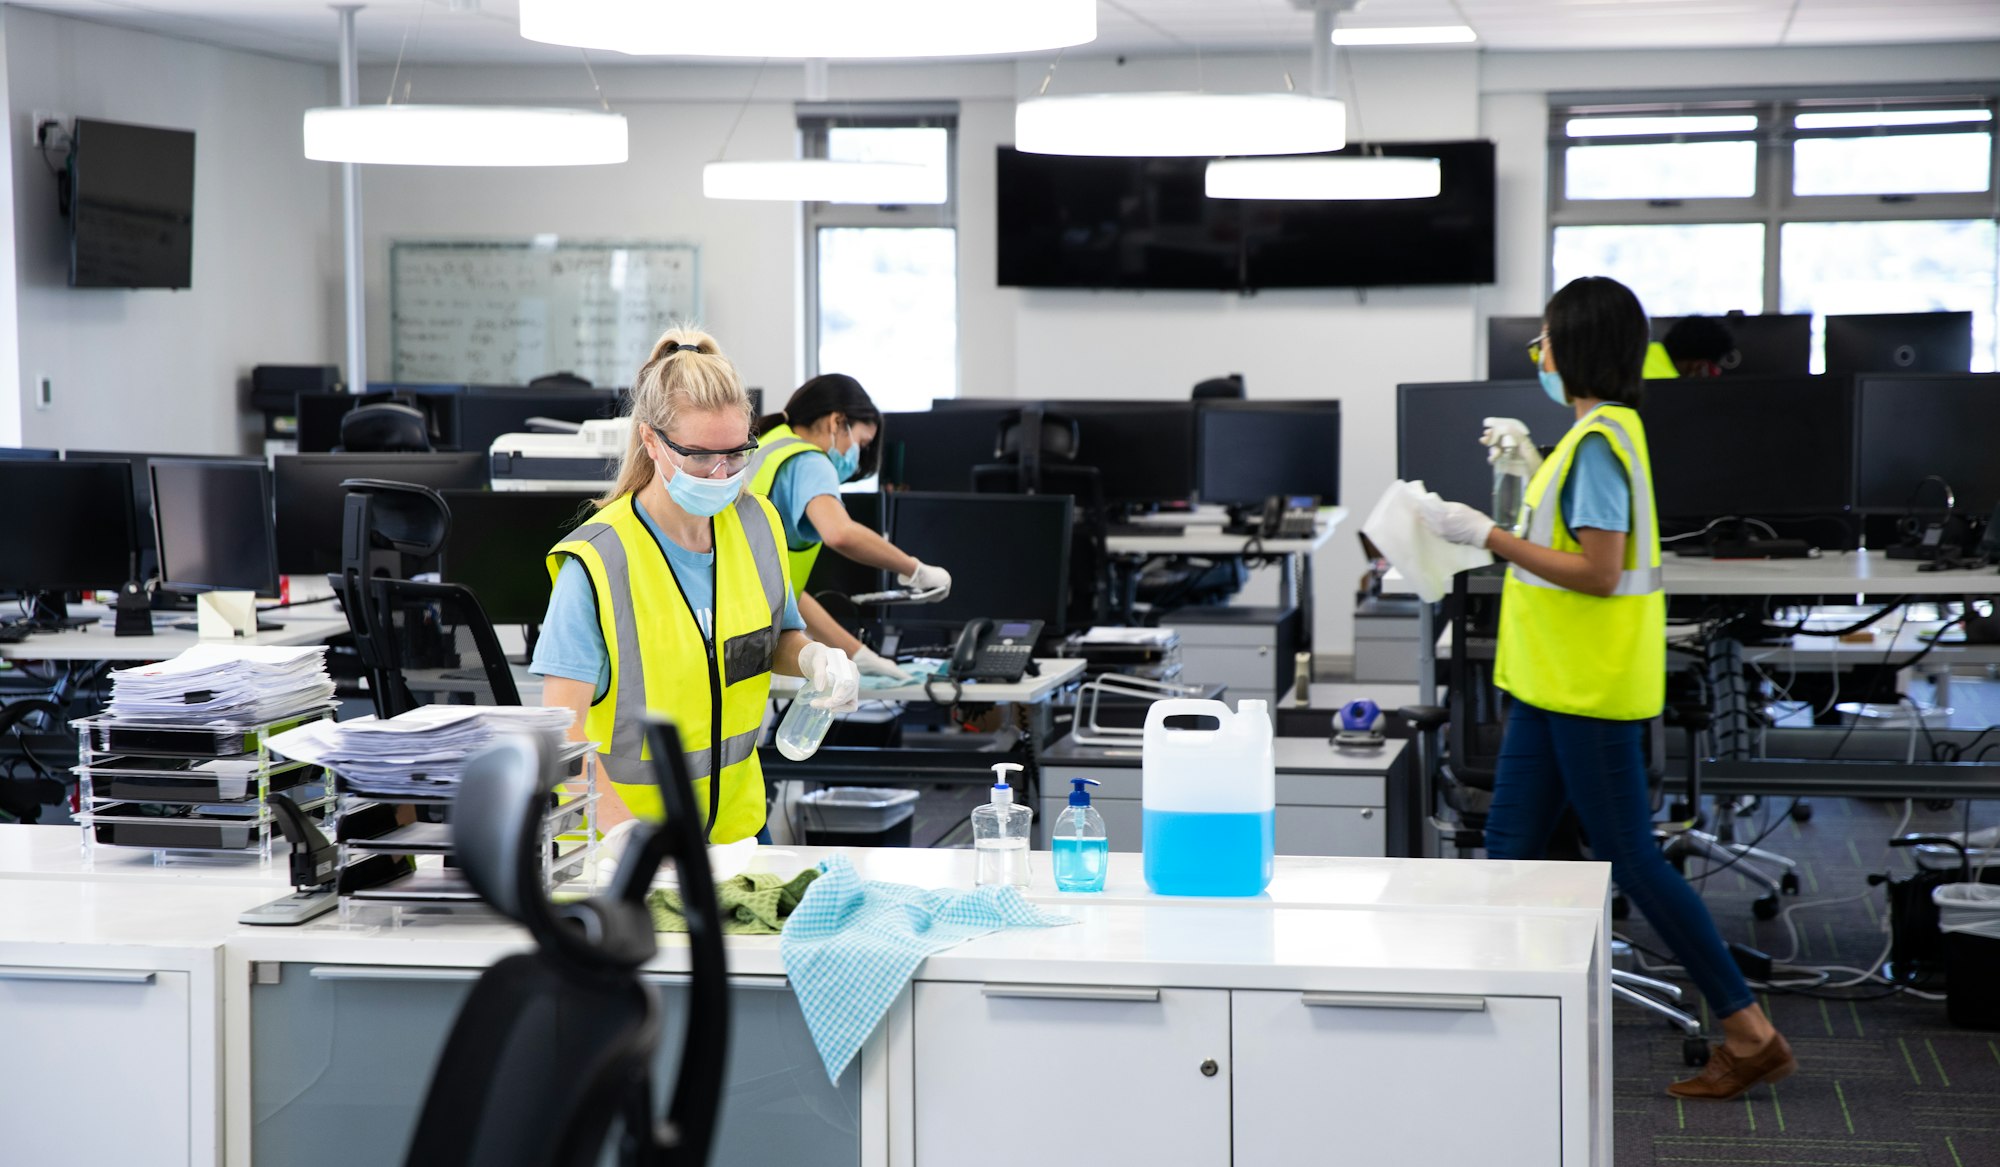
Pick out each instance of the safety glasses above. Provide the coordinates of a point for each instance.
(703, 463)
(1535, 348)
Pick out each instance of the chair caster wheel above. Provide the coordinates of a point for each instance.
(1802, 813)
(1789, 883)
(1621, 908)
(1679, 811)
(1765, 907)
(1694, 1051)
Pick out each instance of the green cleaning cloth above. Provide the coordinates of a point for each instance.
(752, 905)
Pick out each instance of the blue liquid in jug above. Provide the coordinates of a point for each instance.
(1080, 863)
(1191, 854)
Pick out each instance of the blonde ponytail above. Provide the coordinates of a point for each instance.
(686, 373)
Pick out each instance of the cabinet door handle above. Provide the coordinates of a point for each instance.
(1073, 992)
(769, 984)
(1393, 1001)
(88, 976)
(390, 972)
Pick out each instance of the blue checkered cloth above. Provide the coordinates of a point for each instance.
(850, 947)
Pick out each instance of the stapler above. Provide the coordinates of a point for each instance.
(315, 862)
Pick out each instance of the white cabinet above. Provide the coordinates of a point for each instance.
(1128, 1075)
(79, 1040)
(1380, 1072)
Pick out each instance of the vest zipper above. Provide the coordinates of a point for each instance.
(714, 723)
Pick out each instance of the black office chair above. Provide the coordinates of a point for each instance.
(400, 624)
(553, 1044)
(387, 428)
(1037, 453)
(1229, 388)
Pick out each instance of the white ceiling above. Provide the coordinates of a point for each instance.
(305, 29)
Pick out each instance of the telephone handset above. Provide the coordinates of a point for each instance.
(994, 650)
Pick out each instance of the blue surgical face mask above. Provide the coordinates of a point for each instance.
(845, 462)
(1552, 384)
(705, 497)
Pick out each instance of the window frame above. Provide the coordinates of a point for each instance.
(1773, 204)
(815, 121)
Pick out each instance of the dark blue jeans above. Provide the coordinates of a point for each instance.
(1549, 760)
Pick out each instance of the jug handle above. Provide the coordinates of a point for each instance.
(1157, 715)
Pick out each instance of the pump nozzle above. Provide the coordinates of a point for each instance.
(1079, 796)
(1003, 793)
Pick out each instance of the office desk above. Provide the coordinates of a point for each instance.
(97, 642)
(1203, 536)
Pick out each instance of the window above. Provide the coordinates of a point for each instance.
(882, 282)
(1827, 205)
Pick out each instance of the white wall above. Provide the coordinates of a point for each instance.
(10, 348)
(155, 369)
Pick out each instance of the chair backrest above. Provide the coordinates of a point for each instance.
(1225, 388)
(387, 428)
(553, 1044)
(401, 624)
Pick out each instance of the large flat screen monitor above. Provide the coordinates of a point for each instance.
(1913, 428)
(212, 520)
(1507, 341)
(1769, 345)
(1252, 450)
(499, 545)
(937, 449)
(1008, 555)
(70, 525)
(131, 206)
(1752, 447)
(1143, 450)
(1438, 427)
(309, 501)
(1903, 342)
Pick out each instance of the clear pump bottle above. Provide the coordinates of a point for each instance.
(1000, 834)
(1081, 846)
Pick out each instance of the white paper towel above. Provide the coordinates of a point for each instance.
(1426, 560)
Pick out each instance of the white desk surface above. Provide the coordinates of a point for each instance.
(1056, 672)
(1843, 573)
(1203, 536)
(99, 642)
(58, 853)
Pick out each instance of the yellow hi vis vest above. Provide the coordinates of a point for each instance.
(714, 690)
(1570, 652)
(775, 448)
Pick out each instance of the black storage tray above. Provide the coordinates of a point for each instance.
(171, 786)
(186, 741)
(183, 832)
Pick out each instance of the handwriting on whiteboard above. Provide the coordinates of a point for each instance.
(484, 313)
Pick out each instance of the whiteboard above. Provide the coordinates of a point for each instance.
(501, 313)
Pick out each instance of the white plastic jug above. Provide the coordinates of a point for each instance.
(1209, 799)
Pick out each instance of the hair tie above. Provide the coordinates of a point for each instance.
(674, 346)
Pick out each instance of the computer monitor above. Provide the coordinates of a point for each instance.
(142, 495)
(485, 412)
(28, 454)
(1252, 450)
(1143, 450)
(937, 449)
(212, 520)
(1008, 555)
(1751, 447)
(1902, 342)
(69, 528)
(1769, 345)
(499, 544)
(309, 500)
(1438, 427)
(1507, 340)
(1914, 427)
(834, 572)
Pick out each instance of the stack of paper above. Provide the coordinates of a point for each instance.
(421, 753)
(237, 684)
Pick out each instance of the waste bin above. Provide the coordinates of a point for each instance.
(858, 816)
(1969, 918)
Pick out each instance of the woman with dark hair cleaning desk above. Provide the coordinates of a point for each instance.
(1582, 651)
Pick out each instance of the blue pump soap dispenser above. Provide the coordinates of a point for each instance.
(1082, 849)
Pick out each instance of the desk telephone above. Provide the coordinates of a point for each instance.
(994, 650)
(1280, 517)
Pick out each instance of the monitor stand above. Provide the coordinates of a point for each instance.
(49, 612)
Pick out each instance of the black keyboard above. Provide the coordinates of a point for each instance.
(14, 633)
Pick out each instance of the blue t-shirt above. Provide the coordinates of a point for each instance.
(1596, 493)
(801, 479)
(572, 643)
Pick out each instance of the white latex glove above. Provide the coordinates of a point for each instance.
(930, 583)
(828, 668)
(873, 664)
(611, 849)
(1503, 427)
(1455, 522)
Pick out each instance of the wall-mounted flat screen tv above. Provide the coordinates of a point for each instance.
(131, 206)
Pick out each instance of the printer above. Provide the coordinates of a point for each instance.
(560, 455)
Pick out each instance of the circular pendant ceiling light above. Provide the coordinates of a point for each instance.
(811, 28)
(1180, 125)
(1366, 177)
(819, 180)
(464, 135)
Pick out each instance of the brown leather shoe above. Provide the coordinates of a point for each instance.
(1728, 1076)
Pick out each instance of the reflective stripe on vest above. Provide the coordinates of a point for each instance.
(779, 446)
(661, 664)
(1573, 652)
